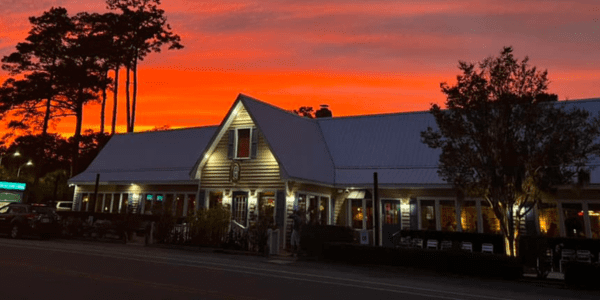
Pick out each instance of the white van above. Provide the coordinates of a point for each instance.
(64, 205)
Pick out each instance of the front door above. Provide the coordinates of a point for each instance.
(391, 221)
(239, 208)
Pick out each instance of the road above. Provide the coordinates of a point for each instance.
(61, 269)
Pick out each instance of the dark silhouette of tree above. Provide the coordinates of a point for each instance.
(37, 59)
(305, 111)
(146, 31)
(505, 140)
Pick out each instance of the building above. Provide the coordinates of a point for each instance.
(262, 158)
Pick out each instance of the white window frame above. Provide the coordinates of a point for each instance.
(438, 212)
(297, 196)
(236, 142)
(586, 216)
(364, 207)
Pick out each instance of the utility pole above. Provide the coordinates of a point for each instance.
(376, 208)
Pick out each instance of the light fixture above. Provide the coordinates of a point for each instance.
(29, 163)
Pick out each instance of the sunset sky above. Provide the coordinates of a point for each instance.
(360, 57)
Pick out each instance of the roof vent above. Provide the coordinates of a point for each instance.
(323, 112)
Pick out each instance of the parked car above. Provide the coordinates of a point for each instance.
(64, 205)
(17, 219)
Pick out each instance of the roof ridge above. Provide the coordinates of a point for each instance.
(275, 107)
(167, 130)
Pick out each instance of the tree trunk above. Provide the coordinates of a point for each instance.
(77, 136)
(46, 117)
(133, 105)
(127, 100)
(103, 108)
(115, 93)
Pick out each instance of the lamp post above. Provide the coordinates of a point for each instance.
(29, 163)
(14, 154)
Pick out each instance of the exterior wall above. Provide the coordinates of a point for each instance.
(261, 172)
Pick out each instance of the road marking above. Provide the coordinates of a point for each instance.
(261, 271)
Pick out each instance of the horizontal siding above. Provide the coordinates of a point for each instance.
(262, 172)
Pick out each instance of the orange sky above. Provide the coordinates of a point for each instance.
(360, 57)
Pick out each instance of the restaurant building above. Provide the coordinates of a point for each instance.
(262, 158)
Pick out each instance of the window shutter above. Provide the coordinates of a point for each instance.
(230, 145)
(254, 147)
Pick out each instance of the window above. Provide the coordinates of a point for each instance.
(361, 212)
(243, 143)
(548, 215)
(448, 215)
(491, 224)
(316, 208)
(594, 214)
(191, 204)
(428, 217)
(573, 216)
(468, 216)
(115, 204)
(107, 202)
(391, 213)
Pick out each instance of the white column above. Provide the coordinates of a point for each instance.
(438, 215)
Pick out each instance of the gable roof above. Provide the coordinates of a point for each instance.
(148, 157)
(296, 142)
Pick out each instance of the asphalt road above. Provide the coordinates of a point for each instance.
(60, 269)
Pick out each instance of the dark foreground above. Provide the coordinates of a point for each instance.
(56, 269)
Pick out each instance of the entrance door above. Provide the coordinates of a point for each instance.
(391, 221)
(239, 208)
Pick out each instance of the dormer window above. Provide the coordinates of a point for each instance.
(243, 143)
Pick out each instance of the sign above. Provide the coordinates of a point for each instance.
(12, 186)
(234, 175)
(364, 237)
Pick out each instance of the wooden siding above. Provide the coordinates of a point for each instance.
(261, 172)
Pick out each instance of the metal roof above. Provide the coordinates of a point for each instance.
(342, 151)
(296, 142)
(157, 156)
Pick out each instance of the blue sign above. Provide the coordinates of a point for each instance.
(12, 186)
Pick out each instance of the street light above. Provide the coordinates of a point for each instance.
(29, 163)
(14, 154)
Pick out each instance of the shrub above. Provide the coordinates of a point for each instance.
(164, 226)
(209, 226)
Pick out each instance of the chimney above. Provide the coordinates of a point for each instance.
(323, 112)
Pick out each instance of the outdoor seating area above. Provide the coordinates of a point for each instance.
(434, 244)
(571, 255)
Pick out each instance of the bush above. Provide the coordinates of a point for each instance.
(164, 226)
(209, 226)
(459, 262)
(258, 232)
